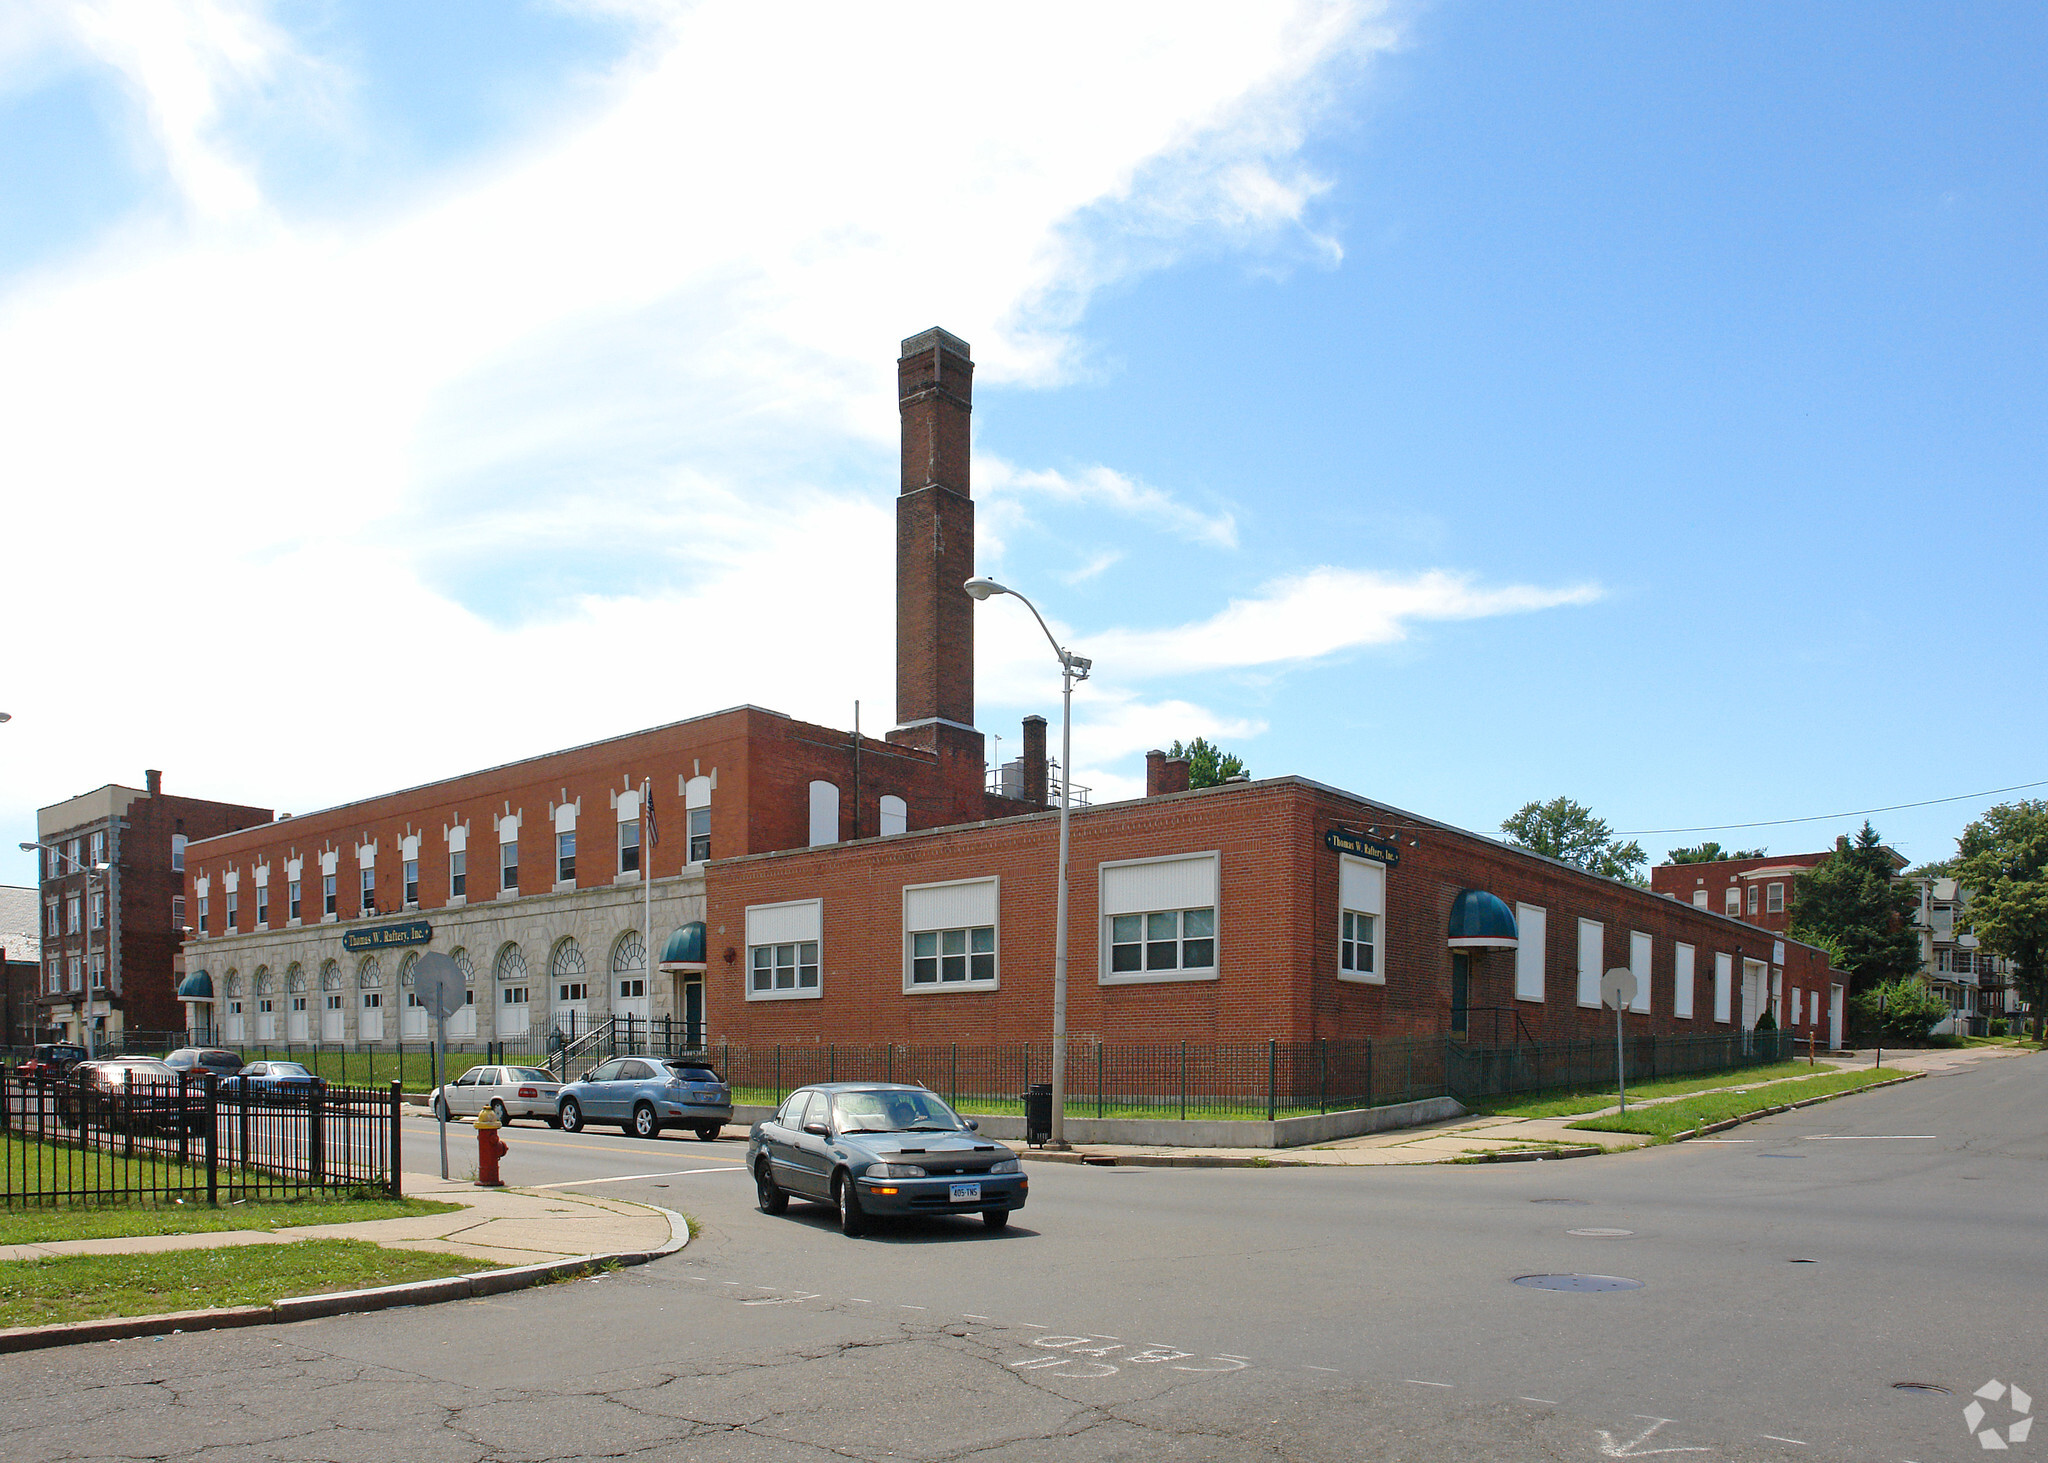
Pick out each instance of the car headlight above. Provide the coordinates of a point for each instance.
(1007, 1165)
(894, 1171)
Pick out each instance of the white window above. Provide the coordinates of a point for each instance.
(1774, 899)
(1724, 981)
(1752, 898)
(824, 813)
(1681, 982)
(177, 914)
(565, 858)
(54, 863)
(411, 872)
(508, 865)
(1798, 1005)
(697, 817)
(949, 935)
(629, 846)
(893, 815)
(50, 925)
(72, 913)
(1159, 919)
(373, 1000)
(782, 950)
(572, 990)
(329, 899)
(1530, 925)
(369, 891)
(99, 911)
(262, 906)
(1732, 904)
(1699, 899)
(98, 847)
(233, 921)
(1361, 906)
(99, 970)
(202, 914)
(1592, 959)
(75, 977)
(632, 988)
(1639, 950)
(513, 995)
(458, 874)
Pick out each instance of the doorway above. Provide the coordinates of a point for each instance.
(693, 1013)
(1461, 992)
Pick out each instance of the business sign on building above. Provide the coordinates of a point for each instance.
(1364, 845)
(383, 937)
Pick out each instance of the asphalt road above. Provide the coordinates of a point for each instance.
(1788, 1278)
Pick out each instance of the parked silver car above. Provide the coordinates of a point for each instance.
(512, 1092)
(643, 1095)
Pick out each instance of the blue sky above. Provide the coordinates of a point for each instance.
(1461, 404)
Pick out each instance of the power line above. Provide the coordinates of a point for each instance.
(1825, 817)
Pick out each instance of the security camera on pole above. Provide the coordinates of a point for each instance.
(1617, 989)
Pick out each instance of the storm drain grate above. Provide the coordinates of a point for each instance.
(1577, 1282)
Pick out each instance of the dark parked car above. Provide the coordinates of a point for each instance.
(132, 1095)
(643, 1095)
(50, 1061)
(204, 1059)
(873, 1148)
(265, 1079)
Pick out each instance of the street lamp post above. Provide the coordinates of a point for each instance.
(91, 872)
(1072, 668)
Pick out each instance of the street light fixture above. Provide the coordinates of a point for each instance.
(91, 872)
(1072, 668)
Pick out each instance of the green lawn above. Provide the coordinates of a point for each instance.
(86, 1287)
(41, 1226)
(35, 1166)
(1666, 1119)
(1565, 1102)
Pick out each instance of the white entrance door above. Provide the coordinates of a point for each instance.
(370, 1026)
(330, 1017)
(1752, 992)
(414, 1025)
(629, 998)
(295, 1020)
(266, 1020)
(462, 1025)
(1834, 1018)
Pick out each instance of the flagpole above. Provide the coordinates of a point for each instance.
(647, 884)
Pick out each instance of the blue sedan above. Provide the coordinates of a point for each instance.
(643, 1095)
(870, 1148)
(271, 1078)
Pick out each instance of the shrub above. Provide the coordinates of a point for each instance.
(1904, 1010)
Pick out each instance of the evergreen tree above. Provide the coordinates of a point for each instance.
(1856, 901)
(1208, 764)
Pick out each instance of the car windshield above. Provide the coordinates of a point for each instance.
(288, 1069)
(893, 1111)
(692, 1074)
(529, 1074)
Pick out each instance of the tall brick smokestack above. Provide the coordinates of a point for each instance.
(934, 539)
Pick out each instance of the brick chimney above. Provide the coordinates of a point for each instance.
(153, 782)
(1173, 774)
(1034, 760)
(934, 558)
(1155, 773)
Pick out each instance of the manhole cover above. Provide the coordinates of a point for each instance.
(1602, 1233)
(1577, 1282)
(1934, 1388)
(1560, 1201)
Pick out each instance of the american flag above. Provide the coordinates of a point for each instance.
(653, 837)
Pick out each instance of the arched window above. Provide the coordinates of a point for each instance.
(511, 965)
(461, 958)
(262, 980)
(406, 967)
(893, 815)
(824, 813)
(629, 952)
(233, 988)
(567, 961)
(330, 976)
(369, 976)
(295, 978)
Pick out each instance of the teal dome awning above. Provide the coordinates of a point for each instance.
(1479, 921)
(685, 946)
(198, 986)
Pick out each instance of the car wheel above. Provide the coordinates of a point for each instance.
(572, 1116)
(853, 1220)
(996, 1218)
(768, 1193)
(645, 1124)
(708, 1132)
(498, 1109)
(441, 1109)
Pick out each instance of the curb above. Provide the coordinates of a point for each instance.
(340, 1303)
(1588, 1151)
(1768, 1112)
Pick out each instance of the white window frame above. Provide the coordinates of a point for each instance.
(1106, 923)
(1750, 901)
(1368, 880)
(1701, 899)
(892, 815)
(824, 813)
(697, 819)
(1724, 987)
(1681, 981)
(409, 882)
(177, 853)
(1589, 977)
(1532, 929)
(262, 906)
(565, 858)
(458, 876)
(1774, 899)
(629, 827)
(762, 933)
(1642, 952)
(912, 928)
(1731, 902)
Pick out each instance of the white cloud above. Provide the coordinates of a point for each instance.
(249, 445)
(1011, 495)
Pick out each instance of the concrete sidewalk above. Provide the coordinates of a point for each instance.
(1467, 1137)
(502, 1226)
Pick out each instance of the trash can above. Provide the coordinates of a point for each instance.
(1038, 1113)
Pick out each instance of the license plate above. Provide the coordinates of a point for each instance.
(965, 1193)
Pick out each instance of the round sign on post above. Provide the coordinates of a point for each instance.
(1617, 987)
(438, 984)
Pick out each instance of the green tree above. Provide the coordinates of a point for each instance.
(1568, 830)
(1208, 764)
(1855, 905)
(1905, 1009)
(1709, 853)
(2002, 861)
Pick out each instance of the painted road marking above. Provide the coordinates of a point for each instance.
(1320, 1368)
(1776, 1439)
(1545, 1401)
(1857, 1138)
(1634, 1448)
(783, 1300)
(674, 1173)
(1413, 1383)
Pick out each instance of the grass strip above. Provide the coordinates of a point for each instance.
(87, 1287)
(1666, 1120)
(1568, 1101)
(64, 1222)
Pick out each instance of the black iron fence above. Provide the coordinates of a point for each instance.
(159, 1139)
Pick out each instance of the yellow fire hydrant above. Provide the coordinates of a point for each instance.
(489, 1149)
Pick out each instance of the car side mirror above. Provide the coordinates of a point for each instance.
(972, 1125)
(817, 1130)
